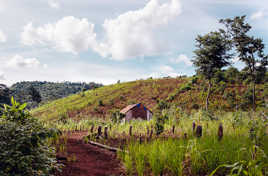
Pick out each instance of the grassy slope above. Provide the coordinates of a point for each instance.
(147, 92)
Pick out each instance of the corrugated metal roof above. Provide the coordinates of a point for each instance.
(129, 107)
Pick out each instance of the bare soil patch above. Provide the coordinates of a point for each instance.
(89, 160)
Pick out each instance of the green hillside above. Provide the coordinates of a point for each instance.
(185, 93)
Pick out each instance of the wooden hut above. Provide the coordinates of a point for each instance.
(137, 111)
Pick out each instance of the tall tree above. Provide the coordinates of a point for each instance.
(36, 97)
(211, 55)
(250, 50)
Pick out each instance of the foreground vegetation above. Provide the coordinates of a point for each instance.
(242, 150)
(25, 147)
(170, 144)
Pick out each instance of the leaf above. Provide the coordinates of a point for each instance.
(23, 106)
(13, 102)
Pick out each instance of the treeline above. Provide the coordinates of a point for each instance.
(234, 76)
(37, 92)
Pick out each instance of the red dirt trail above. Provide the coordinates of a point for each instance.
(90, 160)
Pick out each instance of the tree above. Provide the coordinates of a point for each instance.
(4, 94)
(250, 50)
(36, 97)
(232, 75)
(211, 55)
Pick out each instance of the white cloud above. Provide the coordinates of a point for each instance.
(163, 71)
(18, 61)
(131, 34)
(3, 37)
(54, 4)
(257, 15)
(2, 76)
(69, 34)
(182, 58)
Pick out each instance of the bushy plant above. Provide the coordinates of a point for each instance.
(160, 122)
(24, 148)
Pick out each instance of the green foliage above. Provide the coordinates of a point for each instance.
(256, 166)
(24, 150)
(211, 55)
(161, 105)
(35, 92)
(15, 112)
(4, 95)
(160, 122)
(232, 75)
(250, 50)
(100, 103)
(237, 149)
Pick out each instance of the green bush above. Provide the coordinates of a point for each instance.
(161, 105)
(160, 122)
(24, 148)
(100, 103)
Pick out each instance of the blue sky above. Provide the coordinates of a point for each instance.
(109, 40)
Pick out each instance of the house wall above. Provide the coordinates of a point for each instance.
(138, 112)
(149, 115)
(128, 115)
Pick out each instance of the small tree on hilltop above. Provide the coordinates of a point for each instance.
(250, 50)
(211, 55)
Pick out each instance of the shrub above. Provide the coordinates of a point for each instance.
(194, 80)
(24, 148)
(100, 103)
(162, 105)
(185, 87)
(160, 122)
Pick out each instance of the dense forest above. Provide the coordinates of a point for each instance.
(4, 94)
(37, 92)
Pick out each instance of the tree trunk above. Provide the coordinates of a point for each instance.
(254, 96)
(208, 95)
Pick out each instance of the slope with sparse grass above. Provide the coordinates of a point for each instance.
(186, 93)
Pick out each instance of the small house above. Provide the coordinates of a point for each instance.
(136, 111)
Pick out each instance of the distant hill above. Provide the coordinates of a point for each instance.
(39, 92)
(184, 93)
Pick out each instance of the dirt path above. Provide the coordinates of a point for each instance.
(90, 160)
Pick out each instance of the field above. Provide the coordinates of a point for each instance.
(242, 146)
(232, 140)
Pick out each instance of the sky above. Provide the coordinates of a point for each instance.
(109, 40)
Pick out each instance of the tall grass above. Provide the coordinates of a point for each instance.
(206, 154)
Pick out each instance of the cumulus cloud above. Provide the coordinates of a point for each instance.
(69, 34)
(54, 4)
(133, 33)
(129, 35)
(3, 37)
(182, 58)
(19, 61)
(257, 15)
